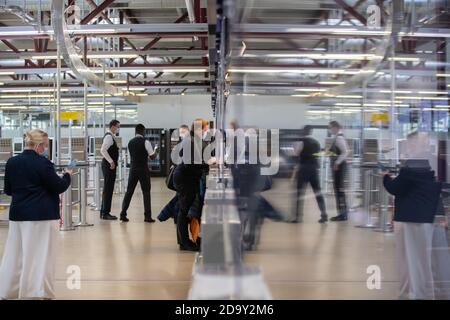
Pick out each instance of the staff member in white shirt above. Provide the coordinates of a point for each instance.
(110, 153)
(140, 150)
(339, 152)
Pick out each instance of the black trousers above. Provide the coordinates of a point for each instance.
(187, 189)
(141, 175)
(339, 190)
(308, 174)
(109, 177)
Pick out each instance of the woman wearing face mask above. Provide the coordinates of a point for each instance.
(28, 265)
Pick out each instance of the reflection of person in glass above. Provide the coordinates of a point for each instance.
(308, 150)
(339, 151)
(417, 195)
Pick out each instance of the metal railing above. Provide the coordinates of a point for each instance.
(68, 204)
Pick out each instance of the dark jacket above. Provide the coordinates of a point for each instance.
(32, 182)
(416, 195)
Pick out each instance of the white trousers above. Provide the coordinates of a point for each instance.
(413, 247)
(28, 266)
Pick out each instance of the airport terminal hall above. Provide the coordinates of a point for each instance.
(191, 151)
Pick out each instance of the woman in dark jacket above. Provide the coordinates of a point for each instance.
(187, 177)
(28, 266)
(416, 201)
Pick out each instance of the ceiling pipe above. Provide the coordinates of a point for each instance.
(191, 14)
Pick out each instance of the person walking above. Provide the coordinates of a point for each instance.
(27, 270)
(110, 153)
(140, 151)
(307, 150)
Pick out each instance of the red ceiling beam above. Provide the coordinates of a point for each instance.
(344, 5)
(13, 48)
(155, 40)
(96, 11)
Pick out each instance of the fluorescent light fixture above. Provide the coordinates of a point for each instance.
(311, 90)
(405, 59)
(320, 56)
(423, 98)
(185, 70)
(142, 94)
(149, 69)
(10, 96)
(45, 57)
(349, 31)
(443, 75)
(318, 111)
(1, 83)
(100, 55)
(347, 104)
(433, 92)
(6, 73)
(299, 71)
(388, 101)
(134, 88)
(116, 81)
(380, 105)
(14, 107)
(300, 95)
(7, 104)
(99, 102)
(33, 90)
(89, 31)
(396, 91)
(97, 95)
(331, 82)
(349, 96)
(112, 55)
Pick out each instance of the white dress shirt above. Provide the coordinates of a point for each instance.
(341, 144)
(108, 141)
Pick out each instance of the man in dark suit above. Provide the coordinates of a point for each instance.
(140, 150)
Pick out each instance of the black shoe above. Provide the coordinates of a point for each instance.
(341, 217)
(124, 219)
(323, 219)
(108, 216)
(189, 248)
(150, 220)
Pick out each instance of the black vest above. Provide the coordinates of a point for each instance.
(335, 150)
(138, 153)
(113, 150)
(311, 148)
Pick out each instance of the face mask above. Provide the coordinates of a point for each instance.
(45, 153)
(117, 132)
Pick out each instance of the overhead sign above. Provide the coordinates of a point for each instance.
(72, 115)
(379, 116)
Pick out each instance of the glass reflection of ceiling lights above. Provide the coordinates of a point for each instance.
(321, 49)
